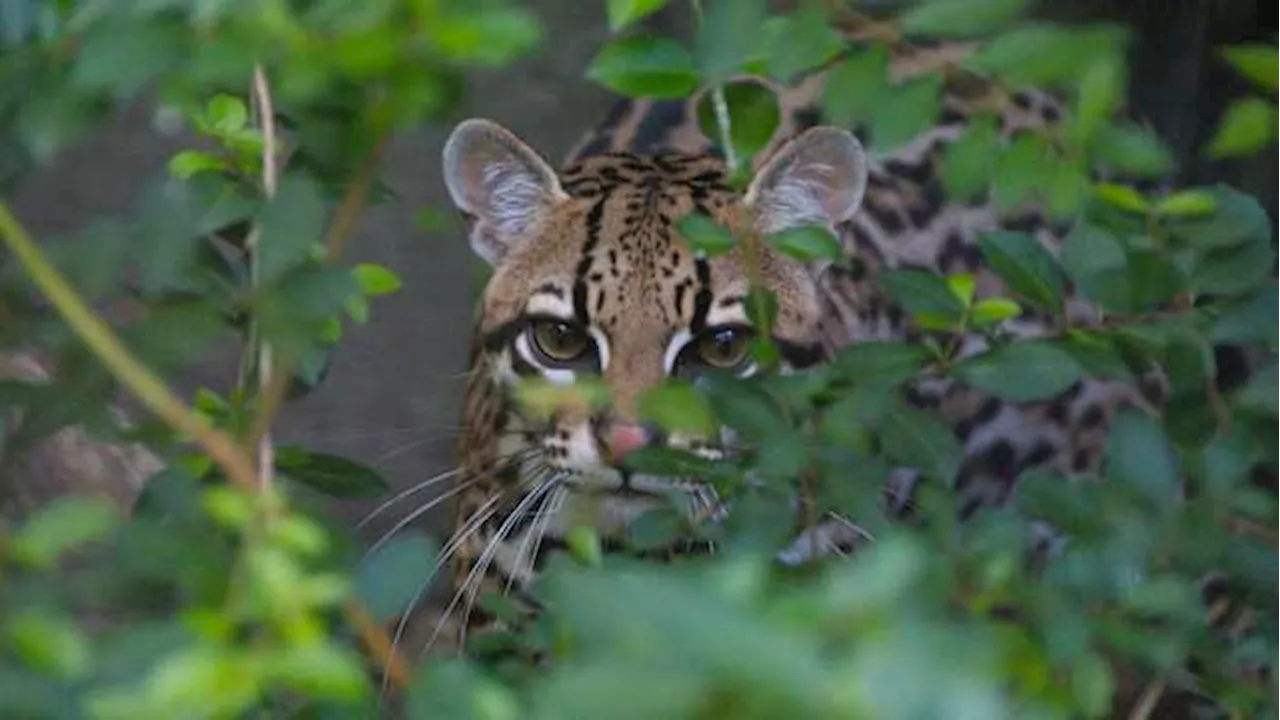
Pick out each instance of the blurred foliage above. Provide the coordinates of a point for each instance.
(220, 599)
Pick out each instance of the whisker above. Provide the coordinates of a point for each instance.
(452, 472)
(540, 513)
(472, 524)
(460, 487)
(525, 505)
(478, 569)
(556, 502)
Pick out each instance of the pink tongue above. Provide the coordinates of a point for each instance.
(626, 439)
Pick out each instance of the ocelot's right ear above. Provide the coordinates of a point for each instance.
(502, 186)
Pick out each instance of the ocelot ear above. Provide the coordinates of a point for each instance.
(818, 178)
(502, 186)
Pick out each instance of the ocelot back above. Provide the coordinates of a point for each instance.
(591, 277)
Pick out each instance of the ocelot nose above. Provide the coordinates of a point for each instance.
(625, 438)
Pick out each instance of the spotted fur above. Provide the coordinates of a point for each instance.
(597, 244)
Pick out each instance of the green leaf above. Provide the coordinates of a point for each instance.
(1255, 61)
(376, 280)
(804, 40)
(884, 361)
(292, 222)
(1121, 197)
(190, 162)
(166, 234)
(926, 297)
(583, 543)
(174, 335)
(48, 642)
(855, 86)
(645, 65)
(1251, 319)
(905, 111)
(704, 234)
(223, 115)
(1237, 219)
(753, 117)
(967, 163)
(677, 408)
(387, 581)
(1261, 391)
(960, 18)
(1096, 262)
(1092, 685)
(1247, 126)
(726, 36)
(454, 689)
(807, 243)
(1130, 150)
(1233, 270)
(1043, 55)
(485, 34)
(1187, 203)
(1025, 266)
(321, 669)
(1100, 89)
(622, 13)
(1139, 455)
(656, 529)
(1021, 372)
(331, 475)
(61, 527)
(121, 57)
(991, 311)
(1020, 170)
(916, 439)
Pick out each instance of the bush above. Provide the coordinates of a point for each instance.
(223, 595)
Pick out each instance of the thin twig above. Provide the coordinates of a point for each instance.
(270, 181)
(1147, 703)
(721, 108)
(135, 376)
(379, 645)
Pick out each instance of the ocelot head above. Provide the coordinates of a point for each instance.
(591, 278)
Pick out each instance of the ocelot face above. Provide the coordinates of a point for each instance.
(591, 279)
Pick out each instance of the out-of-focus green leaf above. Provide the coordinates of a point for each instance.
(960, 18)
(1021, 371)
(1140, 456)
(330, 474)
(62, 527)
(905, 111)
(1247, 126)
(49, 642)
(881, 361)
(807, 243)
(803, 41)
(753, 117)
(967, 163)
(376, 280)
(486, 35)
(856, 86)
(1258, 62)
(726, 36)
(678, 408)
(1131, 150)
(1025, 266)
(991, 311)
(628, 12)
(926, 297)
(916, 439)
(645, 65)
(1020, 170)
(292, 222)
(704, 234)
(387, 581)
(1044, 55)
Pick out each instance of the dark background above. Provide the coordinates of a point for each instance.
(392, 396)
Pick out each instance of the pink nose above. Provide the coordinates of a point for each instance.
(626, 438)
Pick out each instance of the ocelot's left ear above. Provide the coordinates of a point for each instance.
(818, 178)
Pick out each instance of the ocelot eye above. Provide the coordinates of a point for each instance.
(558, 342)
(725, 348)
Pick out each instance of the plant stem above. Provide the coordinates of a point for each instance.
(721, 108)
(270, 181)
(98, 336)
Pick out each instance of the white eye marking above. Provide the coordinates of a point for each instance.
(602, 345)
(678, 343)
(545, 303)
